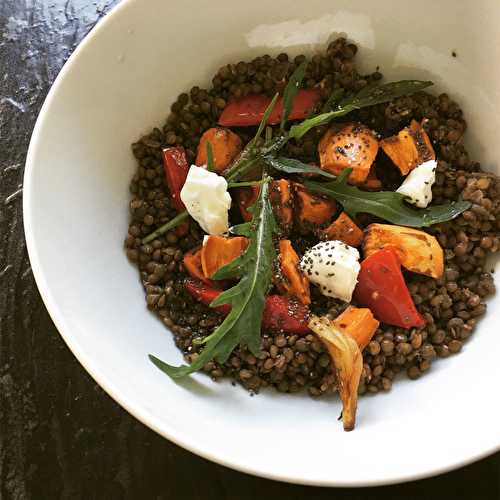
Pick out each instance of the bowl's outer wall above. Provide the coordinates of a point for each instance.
(117, 86)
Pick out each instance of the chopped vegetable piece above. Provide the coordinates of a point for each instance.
(343, 229)
(192, 264)
(205, 294)
(334, 267)
(249, 110)
(417, 250)
(284, 314)
(247, 196)
(293, 281)
(348, 145)
(417, 187)
(359, 323)
(312, 210)
(176, 170)
(207, 200)
(382, 288)
(281, 198)
(348, 362)
(226, 146)
(280, 313)
(409, 148)
(218, 251)
(372, 182)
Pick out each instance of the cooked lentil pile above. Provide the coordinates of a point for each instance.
(451, 306)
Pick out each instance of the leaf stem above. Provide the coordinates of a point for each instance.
(231, 185)
(243, 169)
(171, 224)
(210, 157)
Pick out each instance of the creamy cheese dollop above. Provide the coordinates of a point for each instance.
(206, 199)
(418, 185)
(334, 267)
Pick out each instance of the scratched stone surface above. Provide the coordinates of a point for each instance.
(61, 436)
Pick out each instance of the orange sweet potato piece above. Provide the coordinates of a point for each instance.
(247, 196)
(226, 145)
(192, 264)
(417, 250)
(293, 282)
(281, 198)
(217, 251)
(348, 145)
(343, 229)
(311, 210)
(359, 323)
(409, 148)
(372, 182)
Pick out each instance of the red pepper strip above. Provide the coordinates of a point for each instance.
(382, 288)
(285, 314)
(205, 294)
(250, 109)
(280, 313)
(176, 170)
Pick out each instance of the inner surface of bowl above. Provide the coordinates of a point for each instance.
(118, 85)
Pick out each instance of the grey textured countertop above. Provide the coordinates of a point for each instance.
(61, 436)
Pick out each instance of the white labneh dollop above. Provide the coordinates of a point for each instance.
(334, 267)
(418, 185)
(206, 199)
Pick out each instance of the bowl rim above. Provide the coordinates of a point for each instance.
(159, 426)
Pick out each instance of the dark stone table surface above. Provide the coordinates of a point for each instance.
(61, 436)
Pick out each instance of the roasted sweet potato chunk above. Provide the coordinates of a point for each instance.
(343, 229)
(192, 264)
(418, 251)
(217, 251)
(281, 198)
(312, 211)
(247, 196)
(372, 182)
(359, 323)
(226, 145)
(410, 148)
(348, 145)
(292, 281)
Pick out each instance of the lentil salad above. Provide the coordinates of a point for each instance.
(448, 303)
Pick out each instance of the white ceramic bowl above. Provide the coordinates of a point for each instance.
(117, 85)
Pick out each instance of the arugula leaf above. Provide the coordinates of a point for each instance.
(292, 166)
(249, 157)
(366, 97)
(291, 90)
(371, 95)
(333, 99)
(254, 268)
(387, 205)
(210, 157)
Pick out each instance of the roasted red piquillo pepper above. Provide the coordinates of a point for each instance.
(382, 288)
(249, 110)
(176, 170)
(205, 294)
(285, 314)
(280, 313)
